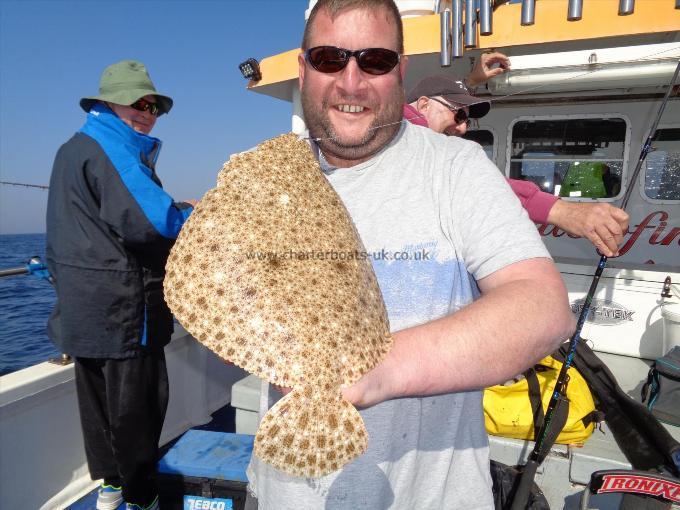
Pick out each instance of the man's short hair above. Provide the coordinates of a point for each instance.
(335, 7)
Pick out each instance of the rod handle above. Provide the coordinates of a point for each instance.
(11, 271)
(526, 480)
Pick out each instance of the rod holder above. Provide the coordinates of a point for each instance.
(627, 7)
(457, 28)
(470, 24)
(445, 41)
(575, 10)
(528, 12)
(485, 17)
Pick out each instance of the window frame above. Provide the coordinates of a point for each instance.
(643, 174)
(578, 116)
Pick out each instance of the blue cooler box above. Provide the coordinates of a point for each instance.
(205, 470)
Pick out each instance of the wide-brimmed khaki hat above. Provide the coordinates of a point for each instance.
(124, 83)
(451, 89)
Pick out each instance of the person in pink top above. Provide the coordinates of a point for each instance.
(445, 105)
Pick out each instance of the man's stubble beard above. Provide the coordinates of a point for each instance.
(381, 131)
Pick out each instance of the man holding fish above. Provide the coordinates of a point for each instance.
(488, 303)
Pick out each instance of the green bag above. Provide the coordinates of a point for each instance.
(584, 179)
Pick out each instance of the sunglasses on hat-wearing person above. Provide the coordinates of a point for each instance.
(142, 105)
(459, 113)
(331, 59)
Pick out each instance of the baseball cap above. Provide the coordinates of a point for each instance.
(453, 90)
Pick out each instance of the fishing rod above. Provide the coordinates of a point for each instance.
(558, 405)
(39, 186)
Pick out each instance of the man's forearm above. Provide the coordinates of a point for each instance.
(487, 342)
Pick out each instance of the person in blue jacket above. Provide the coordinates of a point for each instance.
(110, 227)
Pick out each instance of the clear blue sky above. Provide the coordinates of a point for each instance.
(52, 53)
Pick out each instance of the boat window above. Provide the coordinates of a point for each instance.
(578, 158)
(483, 137)
(662, 177)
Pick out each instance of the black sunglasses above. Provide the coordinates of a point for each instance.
(142, 105)
(459, 113)
(329, 59)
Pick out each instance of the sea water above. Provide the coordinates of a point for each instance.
(25, 305)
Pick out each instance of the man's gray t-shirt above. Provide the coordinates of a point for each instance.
(436, 215)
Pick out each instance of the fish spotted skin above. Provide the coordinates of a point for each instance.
(254, 278)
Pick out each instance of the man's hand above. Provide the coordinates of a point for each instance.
(483, 70)
(602, 224)
(375, 386)
(191, 202)
(364, 393)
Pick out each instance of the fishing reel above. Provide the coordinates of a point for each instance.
(33, 267)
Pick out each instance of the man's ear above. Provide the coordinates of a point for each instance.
(301, 69)
(422, 103)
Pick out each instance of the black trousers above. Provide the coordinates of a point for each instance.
(122, 406)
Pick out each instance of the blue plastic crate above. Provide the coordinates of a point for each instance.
(211, 465)
(202, 453)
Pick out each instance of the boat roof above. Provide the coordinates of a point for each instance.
(653, 21)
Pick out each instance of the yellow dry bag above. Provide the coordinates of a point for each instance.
(514, 411)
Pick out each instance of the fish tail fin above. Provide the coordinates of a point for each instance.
(307, 436)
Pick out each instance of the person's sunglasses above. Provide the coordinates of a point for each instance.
(143, 105)
(329, 59)
(459, 113)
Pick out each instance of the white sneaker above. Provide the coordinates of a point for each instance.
(109, 497)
